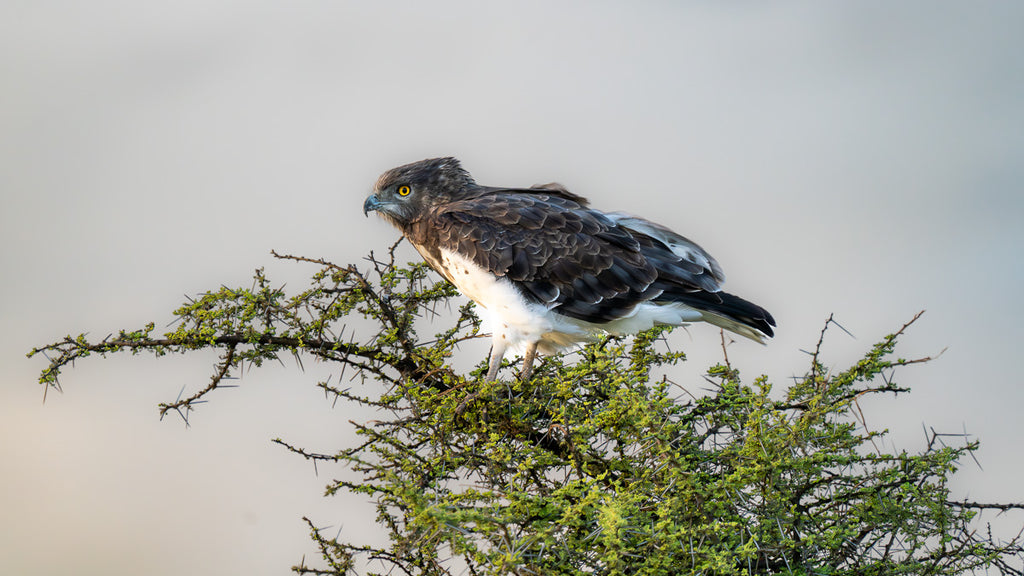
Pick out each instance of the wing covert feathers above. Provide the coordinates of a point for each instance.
(581, 262)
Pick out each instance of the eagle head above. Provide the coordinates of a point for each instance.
(402, 194)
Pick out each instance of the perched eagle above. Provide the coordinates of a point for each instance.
(550, 271)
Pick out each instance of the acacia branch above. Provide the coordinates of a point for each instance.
(519, 482)
(319, 261)
(227, 361)
(986, 505)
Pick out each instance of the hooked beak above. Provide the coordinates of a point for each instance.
(372, 203)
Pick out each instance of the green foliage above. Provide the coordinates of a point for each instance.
(600, 463)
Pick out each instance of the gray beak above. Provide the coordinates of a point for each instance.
(371, 204)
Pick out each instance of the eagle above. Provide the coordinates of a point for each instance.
(549, 271)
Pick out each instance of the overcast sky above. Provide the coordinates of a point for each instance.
(858, 159)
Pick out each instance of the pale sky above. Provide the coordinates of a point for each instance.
(862, 159)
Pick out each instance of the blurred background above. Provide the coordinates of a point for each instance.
(857, 159)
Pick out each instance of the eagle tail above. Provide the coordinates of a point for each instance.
(730, 312)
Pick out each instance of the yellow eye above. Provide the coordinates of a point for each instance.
(404, 190)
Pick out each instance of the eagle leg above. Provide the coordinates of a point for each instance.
(531, 354)
(497, 353)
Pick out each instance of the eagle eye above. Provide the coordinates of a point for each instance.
(404, 190)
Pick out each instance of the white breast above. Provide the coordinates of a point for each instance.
(514, 322)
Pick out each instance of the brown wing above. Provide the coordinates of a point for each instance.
(560, 253)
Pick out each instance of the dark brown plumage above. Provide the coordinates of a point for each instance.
(577, 270)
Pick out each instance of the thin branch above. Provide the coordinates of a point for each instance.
(986, 505)
(227, 361)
